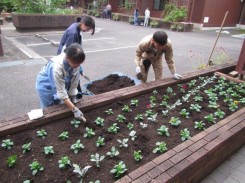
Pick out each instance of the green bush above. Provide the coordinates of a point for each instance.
(173, 13)
(37, 6)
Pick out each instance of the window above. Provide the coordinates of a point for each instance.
(121, 3)
(159, 4)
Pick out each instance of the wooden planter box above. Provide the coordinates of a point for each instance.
(190, 161)
(42, 21)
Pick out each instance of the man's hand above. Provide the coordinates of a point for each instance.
(137, 69)
(78, 114)
(177, 76)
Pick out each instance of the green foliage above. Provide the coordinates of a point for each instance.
(113, 128)
(36, 167)
(11, 161)
(89, 133)
(163, 130)
(185, 134)
(64, 162)
(97, 159)
(7, 144)
(42, 133)
(160, 147)
(119, 169)
(77, 146)
(40, 6)
(173, 13)
(75, 123)
(64, 135)
(6, 5)
(48, 150)
(154, 24)
(113, 152)
(137, 155)
(26, 147)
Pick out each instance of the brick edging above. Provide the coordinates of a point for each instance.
(195, 158)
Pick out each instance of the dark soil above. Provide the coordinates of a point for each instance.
(145, 141)
(110, 83)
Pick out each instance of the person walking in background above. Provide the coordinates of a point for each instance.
(136, 16)
(147, 17)
(149, 52)
(108, 8)
(73, 34)
(104, 13)
(57, 82)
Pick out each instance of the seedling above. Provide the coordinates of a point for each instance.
(233, 106)
(154, 92)
(100, 141)
(36, 167)
(126, 108)
(64, 162)
(63, 135)
(163, 130)
(192, 83)
(132, 134)
(113, 152)
(75, 123)
(220, 114)
(113, 128)
(11, 161)
(185, 134)
(210, 118)
(89, 133)
(119, 169)
(164, 104)
(137, 155)
(169, 90)
(121, 118)
(97, 159)
(213, 104)
(26, 147)
(195, 107)
(123, 142)
(77, 146)
(42, 133)
(153, 118)
(152, 99)
(165, 112)
(48, 150)
(143, 125)
(82, 172)
(99, 121)
(175, 121)
(161, 147)
(198, 98)
(134, 102)
(109, 112)
(130, 126)
(139, 117)
(184, 113)
(148, 113)
(165, 97)
(7, 144)
(199, 125)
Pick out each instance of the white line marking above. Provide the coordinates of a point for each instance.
(38, 44)
(110, 49)
(93, 51)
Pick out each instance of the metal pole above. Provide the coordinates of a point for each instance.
(217, 38)
(1, 46)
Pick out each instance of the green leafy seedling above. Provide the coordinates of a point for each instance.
(11, 161)
(7, 144)
(36, 167)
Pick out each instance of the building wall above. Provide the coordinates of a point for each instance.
(211, 13)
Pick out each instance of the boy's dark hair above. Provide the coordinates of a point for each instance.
(160, 37)
(88, 21)
(75, 53)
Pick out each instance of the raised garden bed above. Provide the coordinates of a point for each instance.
(188, 153)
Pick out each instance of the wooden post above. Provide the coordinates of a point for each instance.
(240, 67)
(1, 46)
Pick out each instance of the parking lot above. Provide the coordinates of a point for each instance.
(111, 49)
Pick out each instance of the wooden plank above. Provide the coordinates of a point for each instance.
(228, 77)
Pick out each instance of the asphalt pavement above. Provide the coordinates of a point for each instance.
(111, 49)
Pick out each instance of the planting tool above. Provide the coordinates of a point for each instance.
(209, 61)
(87, 78)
